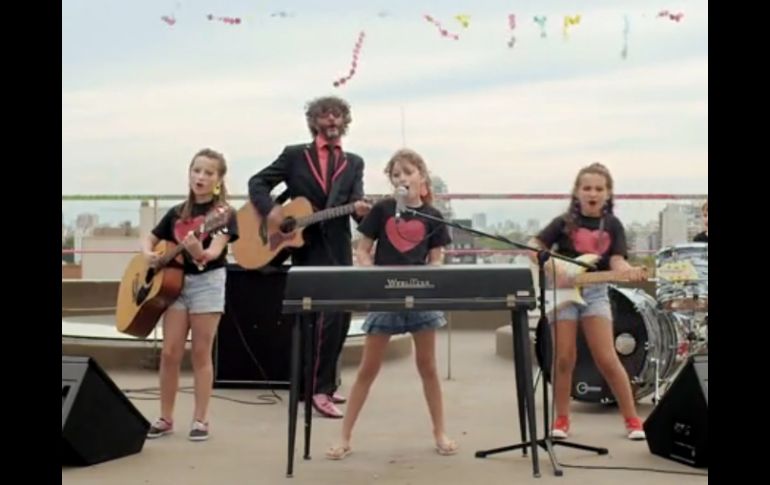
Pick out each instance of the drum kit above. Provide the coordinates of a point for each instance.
(653, 336)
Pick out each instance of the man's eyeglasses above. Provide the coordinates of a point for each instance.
(336, 112)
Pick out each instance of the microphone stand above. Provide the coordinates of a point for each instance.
(522, 359)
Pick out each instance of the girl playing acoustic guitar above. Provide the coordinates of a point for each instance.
(201, 303)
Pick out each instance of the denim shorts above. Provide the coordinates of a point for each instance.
(394, 323)
(203, 292)
(597, 304)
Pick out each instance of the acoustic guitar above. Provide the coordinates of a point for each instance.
(260, 241)
(146, 291)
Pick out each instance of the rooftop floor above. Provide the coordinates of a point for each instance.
(392, 442)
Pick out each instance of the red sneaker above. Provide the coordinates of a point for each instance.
(560, 430)
(635, 429)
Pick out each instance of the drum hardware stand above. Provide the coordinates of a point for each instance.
(656, 395)
(698, 334)
(694, 335)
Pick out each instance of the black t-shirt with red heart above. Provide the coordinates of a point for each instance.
(586, 238)
(406, 241)
(172, 228)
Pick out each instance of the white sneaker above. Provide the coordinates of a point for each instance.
(198, 431)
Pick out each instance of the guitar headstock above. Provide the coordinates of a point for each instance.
(216, 221)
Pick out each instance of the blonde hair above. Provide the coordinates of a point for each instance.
(406, 155)
(220, 196)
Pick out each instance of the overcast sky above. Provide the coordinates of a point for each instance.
(140, 97)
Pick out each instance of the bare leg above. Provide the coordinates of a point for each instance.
(425, 358)
(175, 328)
(371, 362)
(599, 337)
(566, 357)
(204, 328)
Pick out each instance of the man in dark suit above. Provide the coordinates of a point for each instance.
(327, 176)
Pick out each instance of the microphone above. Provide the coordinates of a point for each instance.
(401, 193)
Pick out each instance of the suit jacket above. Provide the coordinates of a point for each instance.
(326, 243)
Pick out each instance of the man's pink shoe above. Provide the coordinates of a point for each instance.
(325, 407)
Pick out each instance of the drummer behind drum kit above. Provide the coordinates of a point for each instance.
(653, 336)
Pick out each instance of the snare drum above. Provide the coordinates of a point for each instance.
(683, 277)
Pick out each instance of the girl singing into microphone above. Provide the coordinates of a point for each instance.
(404, 240)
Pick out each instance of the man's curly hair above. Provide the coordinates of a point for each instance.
(319, 106)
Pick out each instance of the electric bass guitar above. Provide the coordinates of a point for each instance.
(580, 278)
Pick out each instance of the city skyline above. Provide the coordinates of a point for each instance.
(130, 212)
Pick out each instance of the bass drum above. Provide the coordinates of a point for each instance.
(643, 335)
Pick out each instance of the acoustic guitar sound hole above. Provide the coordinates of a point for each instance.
(288, 225)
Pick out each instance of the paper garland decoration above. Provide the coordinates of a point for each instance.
(354, 62)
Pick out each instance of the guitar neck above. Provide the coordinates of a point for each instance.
(212, 222)
(600, 277)
(326, 214)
